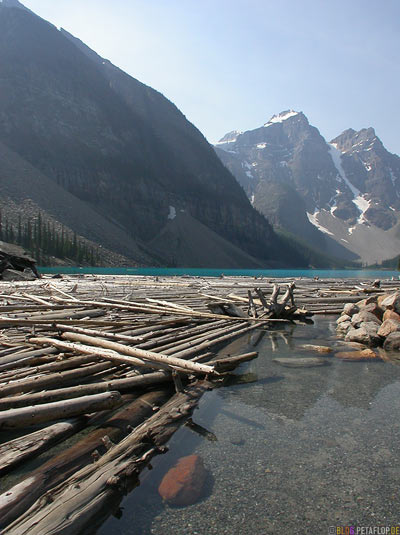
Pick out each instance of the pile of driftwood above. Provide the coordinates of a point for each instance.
(116, 365)
(68, 360)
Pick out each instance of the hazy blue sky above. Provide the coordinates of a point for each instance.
(233, 64)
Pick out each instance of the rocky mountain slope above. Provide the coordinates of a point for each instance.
(114, 158)
(342, 198)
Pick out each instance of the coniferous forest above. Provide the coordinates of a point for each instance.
(46, 241)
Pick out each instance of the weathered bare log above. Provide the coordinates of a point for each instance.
(74, 512)
(224, 364)
(28, 416)
(54, 379)
(102, 334)
(121, 385)
(252, 309)
(21, 449)
(142, 354)
(16, 360)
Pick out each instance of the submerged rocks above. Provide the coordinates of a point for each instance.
(318, 349)
(302, 362)
(184, 483)
(365, 354)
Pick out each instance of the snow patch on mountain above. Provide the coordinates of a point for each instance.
(172, 212)
(336, 156)
(313, 218)
(231, 137)
(281, 117)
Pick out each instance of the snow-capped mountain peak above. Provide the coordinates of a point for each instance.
(348, 189)
(283, 116)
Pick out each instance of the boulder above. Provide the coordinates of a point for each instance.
(344, 326)
(390, 315)
(350, 309)
(364, 316)
(367, 301)
(343, 317)
(392, 302)
(365, 354)
(382, 297)
(392, 342)
(15, 260)
(365, 334)
(387, 327)
(184, 483)
(374, 309)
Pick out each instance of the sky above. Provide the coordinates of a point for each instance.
(232, 64)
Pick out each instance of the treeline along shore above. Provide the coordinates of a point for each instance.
(119, 363)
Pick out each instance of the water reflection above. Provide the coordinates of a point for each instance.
(298, 451)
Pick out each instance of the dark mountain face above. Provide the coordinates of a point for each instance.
(333, 196)
(112, 142)
(374, 171)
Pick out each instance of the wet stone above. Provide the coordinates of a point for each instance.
(237, 440)
(318, 349)
(184, 484)
(365, 354)
(302, 362)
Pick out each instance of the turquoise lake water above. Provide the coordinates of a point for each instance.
(200, 272)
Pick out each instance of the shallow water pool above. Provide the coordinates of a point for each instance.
(299, 450)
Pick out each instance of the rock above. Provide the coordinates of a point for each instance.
(362, 317)
(381, 298)
(302, 362)
(390, 315)
(184, 483)
(372, 299)
(365, 334)
(356, 345)
(14, 275)
(344, 326)
(350, 309)
(343, 317)
(318, 349)
(15, 258)
(374, 309)
(237, 440)
(392, 302)
(365, 354)
(387, 327)
(392, 342)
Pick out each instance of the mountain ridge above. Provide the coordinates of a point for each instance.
(118, 146)
(348, 189)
